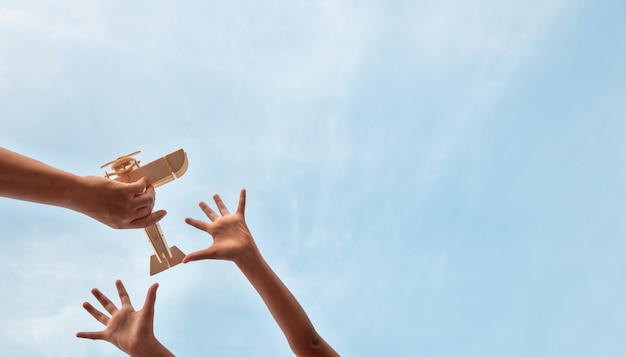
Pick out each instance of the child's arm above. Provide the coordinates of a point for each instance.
(233, 241)
(116, 204)
(129, 330)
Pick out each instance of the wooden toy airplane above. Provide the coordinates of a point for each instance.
(158, 172)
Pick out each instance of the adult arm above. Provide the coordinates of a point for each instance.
(116, 204)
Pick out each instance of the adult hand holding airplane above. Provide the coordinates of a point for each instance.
(157, 173)
(116, 204)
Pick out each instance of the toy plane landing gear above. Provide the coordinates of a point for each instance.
(158, 172)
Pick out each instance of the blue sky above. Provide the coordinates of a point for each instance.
(429, 178)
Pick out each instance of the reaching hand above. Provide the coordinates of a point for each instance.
(233, 241)
(231, 237)
(129, 330)
(120, 205)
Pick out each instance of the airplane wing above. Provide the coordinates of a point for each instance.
(160, 171)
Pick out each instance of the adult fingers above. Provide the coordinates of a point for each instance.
(138, 186)
(144, 199)
(148, 220)
(143, 203)
(142, 212)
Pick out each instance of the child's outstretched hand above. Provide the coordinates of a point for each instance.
(232, 239)
(129, 330)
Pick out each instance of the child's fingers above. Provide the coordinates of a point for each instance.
(202, 225)
(208, 211)
(106, 303)
(99, 316)
(91, 335)
(220, 205)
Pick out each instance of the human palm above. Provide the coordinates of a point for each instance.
(231, 236)
(127, 328)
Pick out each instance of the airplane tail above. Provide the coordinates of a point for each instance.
(158, 265)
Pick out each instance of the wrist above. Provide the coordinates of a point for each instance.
(249, 258)
(70, 190)
(150, 348)
(78, 193)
